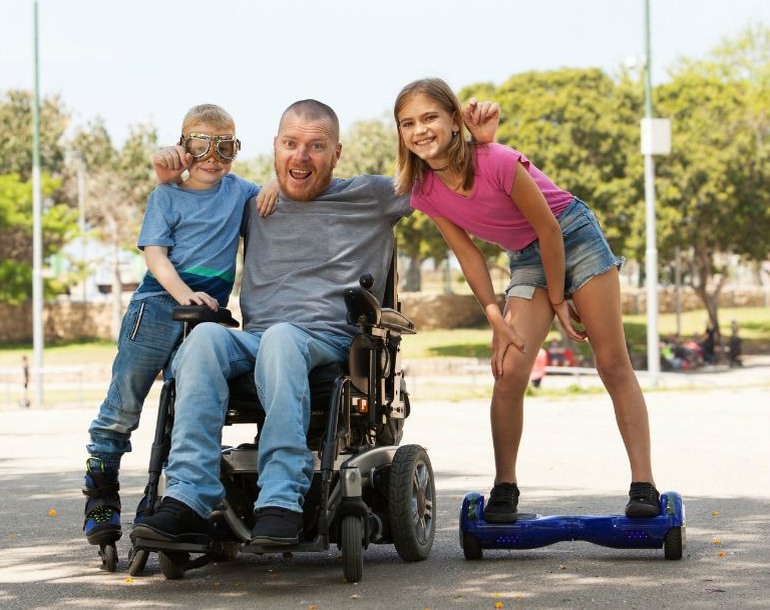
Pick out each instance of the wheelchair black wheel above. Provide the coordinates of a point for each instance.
(137, 559)
(412, 502)
(352, 533)
(173, 565)
(471, 547)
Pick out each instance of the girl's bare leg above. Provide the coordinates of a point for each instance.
(598, 304)
(532, 320)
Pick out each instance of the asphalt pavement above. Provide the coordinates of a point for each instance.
(709, 444)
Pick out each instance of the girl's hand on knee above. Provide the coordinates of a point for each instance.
(503, 340)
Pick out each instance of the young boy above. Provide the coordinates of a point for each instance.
(190, 237)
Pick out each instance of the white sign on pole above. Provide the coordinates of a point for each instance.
(656, 136)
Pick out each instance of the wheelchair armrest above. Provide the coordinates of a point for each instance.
(201, 313)
(363, 308)
(396, 321)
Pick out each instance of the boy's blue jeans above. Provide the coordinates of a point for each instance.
(147, 342)
(282, 357)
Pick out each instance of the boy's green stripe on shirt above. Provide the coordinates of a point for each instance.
(208, 272)
(203, 272)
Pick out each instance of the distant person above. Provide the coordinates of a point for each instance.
(708, 343)
(556, 355)
(556, 251)
(736, 350)
(25, 382)
(190, 236)
(538, 367)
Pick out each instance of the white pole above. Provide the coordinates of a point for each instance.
(37, 236)
(81, 166)
(651, 252)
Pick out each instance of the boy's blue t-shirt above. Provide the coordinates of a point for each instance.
(201, 230)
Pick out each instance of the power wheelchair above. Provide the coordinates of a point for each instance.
(365, 488)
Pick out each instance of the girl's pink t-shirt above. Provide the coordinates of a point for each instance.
(488, 212)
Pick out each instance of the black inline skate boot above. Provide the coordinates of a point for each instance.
(102, 512)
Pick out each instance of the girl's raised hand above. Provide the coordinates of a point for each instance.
(482, 120)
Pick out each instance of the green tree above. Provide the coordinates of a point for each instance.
(118, 183)
(58, 226)
(16, 123)
(712, 190)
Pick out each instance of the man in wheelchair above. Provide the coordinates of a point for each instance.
(325, 234)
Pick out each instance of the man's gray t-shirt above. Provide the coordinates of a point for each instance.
(299, 260)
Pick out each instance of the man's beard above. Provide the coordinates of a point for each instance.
(307, 192)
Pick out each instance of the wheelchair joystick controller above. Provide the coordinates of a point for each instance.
(366, 281)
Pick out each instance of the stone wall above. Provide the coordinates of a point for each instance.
(62, 321)
(67, 321)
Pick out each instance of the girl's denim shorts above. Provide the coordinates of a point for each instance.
(586, 251)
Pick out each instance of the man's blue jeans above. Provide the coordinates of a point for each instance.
(282, 357)
(146, 344)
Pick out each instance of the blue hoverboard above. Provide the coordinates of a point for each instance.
(530, 531)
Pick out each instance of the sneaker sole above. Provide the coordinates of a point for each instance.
(509, 518)
(148, 533)
(105, 536)
(275, 540)
(642, 511)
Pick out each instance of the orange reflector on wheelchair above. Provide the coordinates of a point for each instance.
(362, 405)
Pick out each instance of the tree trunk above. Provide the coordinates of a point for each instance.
(413, 282)
(117, 291)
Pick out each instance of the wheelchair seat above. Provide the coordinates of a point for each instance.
(244, 405)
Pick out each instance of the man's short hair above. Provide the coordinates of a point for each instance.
(313, 110)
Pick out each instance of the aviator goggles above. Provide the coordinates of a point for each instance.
(202, 146)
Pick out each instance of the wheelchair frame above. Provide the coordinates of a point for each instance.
(365, 488)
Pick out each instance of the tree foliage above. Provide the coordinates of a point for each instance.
(58, 227)
(16, 124)
(713, 188)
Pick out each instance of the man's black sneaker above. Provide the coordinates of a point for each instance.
(643, 501)
(173, 521)
(277, 526)
(502, 503)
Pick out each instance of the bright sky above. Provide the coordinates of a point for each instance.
(149, 61)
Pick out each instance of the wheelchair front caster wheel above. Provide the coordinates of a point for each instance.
(352, 535)
(173, 565)
(109, 555)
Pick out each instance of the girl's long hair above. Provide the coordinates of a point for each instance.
(409, 167)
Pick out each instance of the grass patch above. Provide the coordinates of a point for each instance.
(754, 323)
(76, 353)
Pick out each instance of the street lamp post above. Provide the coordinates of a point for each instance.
(37, 236)
(81, 178)
(656, 139)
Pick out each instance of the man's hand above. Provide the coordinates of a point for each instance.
(170, 163)
(482, 120)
